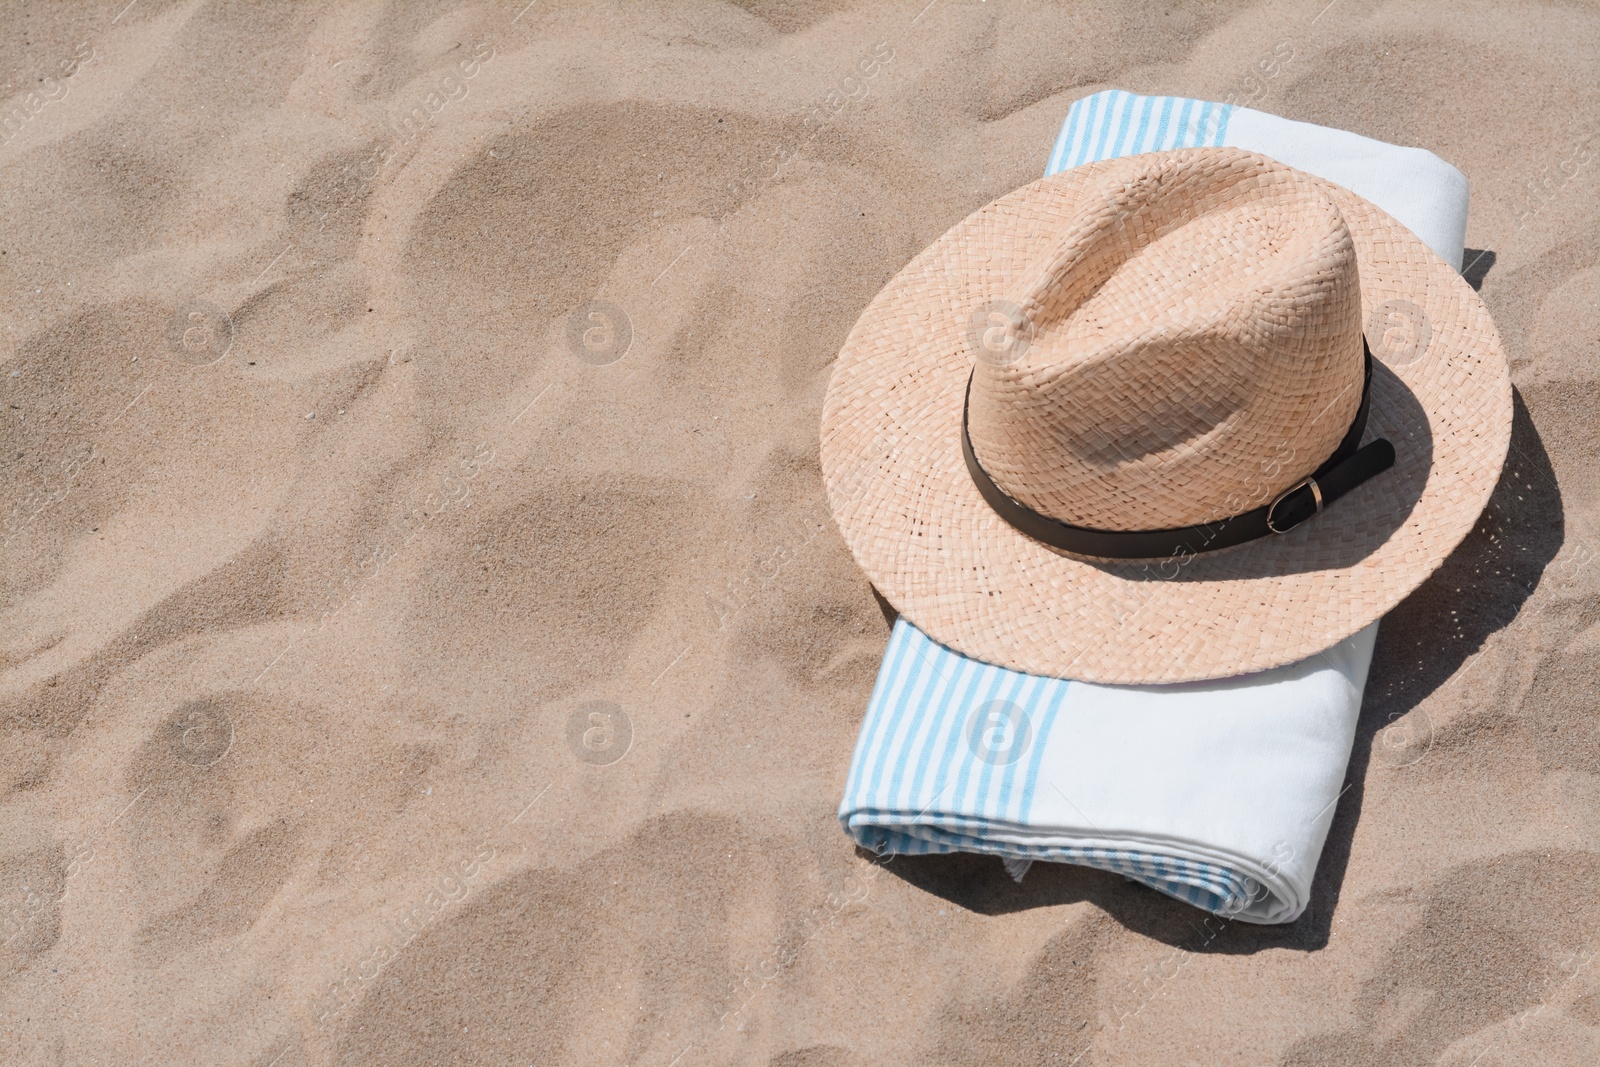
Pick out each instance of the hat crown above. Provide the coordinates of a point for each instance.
(1186, 347)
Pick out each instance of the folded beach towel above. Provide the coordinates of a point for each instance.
(1218, 793)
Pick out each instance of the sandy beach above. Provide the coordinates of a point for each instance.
(423, 636)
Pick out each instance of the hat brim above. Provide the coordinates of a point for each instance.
(901, 493)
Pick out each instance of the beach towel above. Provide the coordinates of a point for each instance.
(1217, 793)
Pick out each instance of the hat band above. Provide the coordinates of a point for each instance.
(1346, 468)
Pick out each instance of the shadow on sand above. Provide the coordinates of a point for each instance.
(1421, 644)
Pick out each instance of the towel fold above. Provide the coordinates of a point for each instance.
(1218, 793)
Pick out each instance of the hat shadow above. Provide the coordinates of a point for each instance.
(1276, 556)
(1479, 589)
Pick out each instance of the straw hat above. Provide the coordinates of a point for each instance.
(1110, 426)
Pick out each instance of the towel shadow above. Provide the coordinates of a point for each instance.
(1421, 644)
(1475, 265)
(981, 885)
(890, 613)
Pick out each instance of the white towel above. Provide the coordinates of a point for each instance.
(1219, 793)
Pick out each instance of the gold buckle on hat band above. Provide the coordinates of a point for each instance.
(1350, 465)
(1316, 497)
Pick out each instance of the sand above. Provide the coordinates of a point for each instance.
(422, 636)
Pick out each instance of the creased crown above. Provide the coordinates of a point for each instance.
(1189, 346)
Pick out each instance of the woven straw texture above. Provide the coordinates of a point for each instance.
(1198, 315)
(1183, 343)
